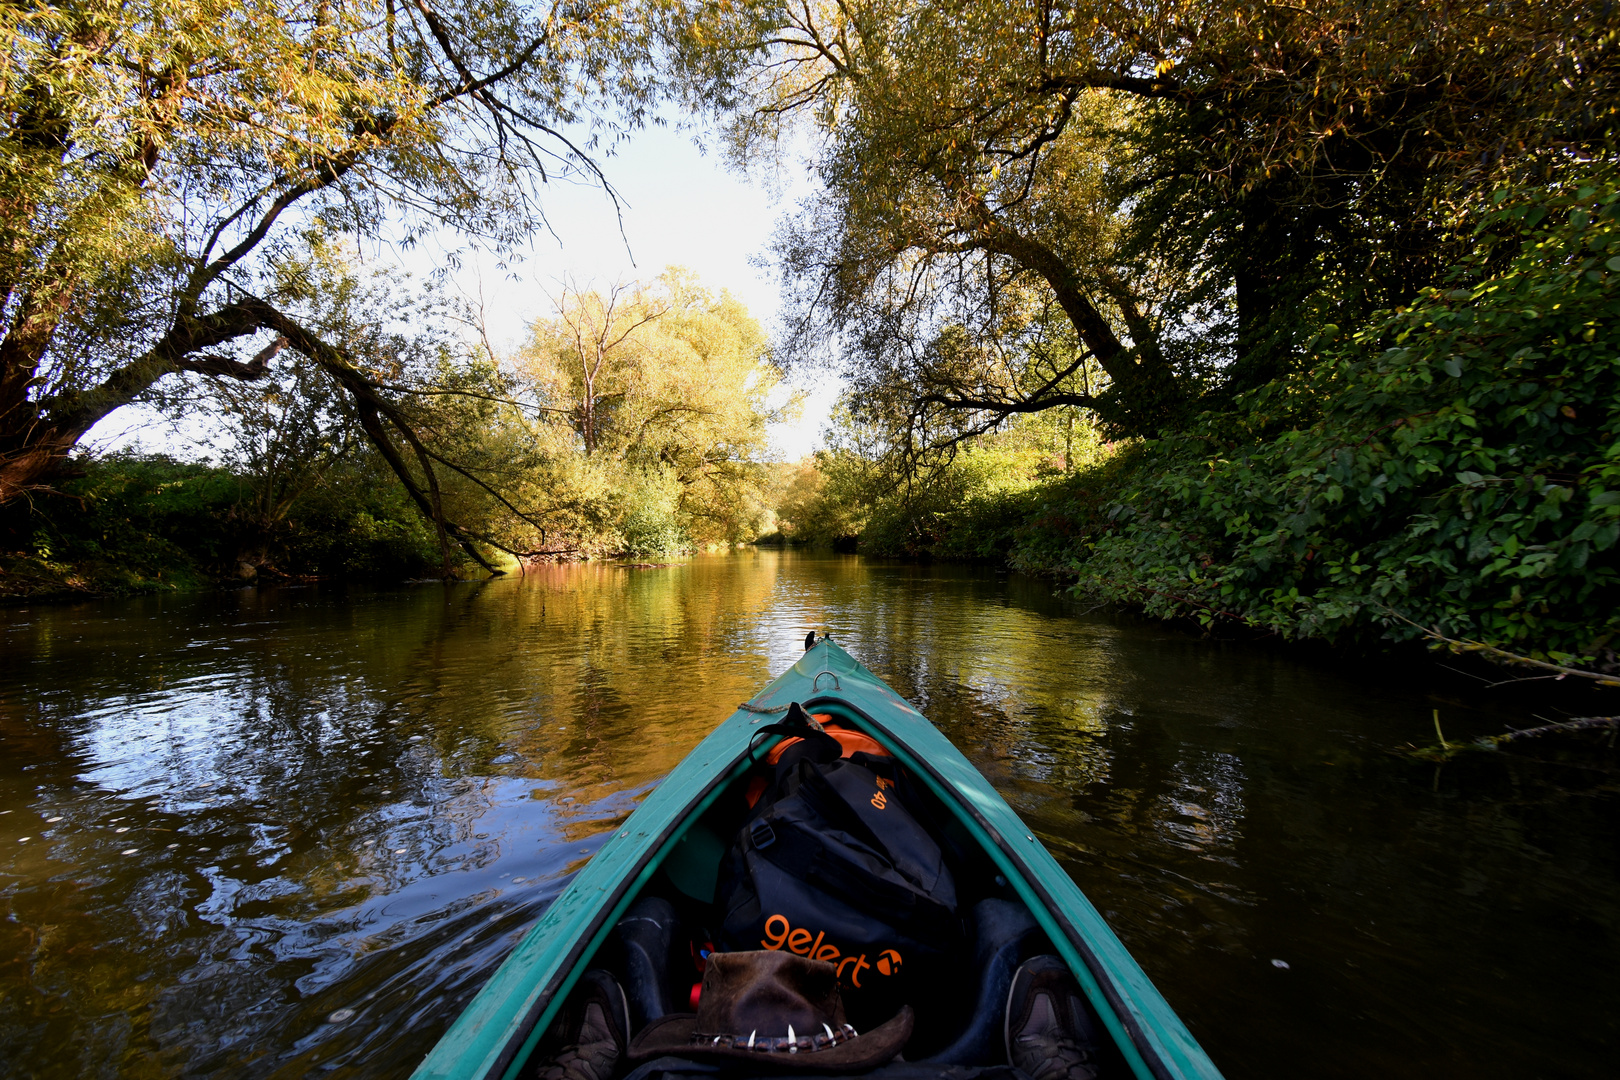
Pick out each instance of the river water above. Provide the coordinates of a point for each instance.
(283, 832)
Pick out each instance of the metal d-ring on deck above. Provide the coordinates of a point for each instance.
(816, 682)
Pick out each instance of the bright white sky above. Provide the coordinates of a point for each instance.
(680, 207)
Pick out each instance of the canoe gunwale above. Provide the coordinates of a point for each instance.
(942, 787)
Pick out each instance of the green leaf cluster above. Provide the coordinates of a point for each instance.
(1461, 469)
(972, 504)
(137, 523)
(648, 417)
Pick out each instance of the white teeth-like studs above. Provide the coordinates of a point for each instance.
(793, 1041)
(851, 1030)
(751, 1035)
(716, 1042)
(828, 1029)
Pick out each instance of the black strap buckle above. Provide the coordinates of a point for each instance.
(762, 835)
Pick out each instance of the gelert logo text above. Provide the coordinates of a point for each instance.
(780, 934)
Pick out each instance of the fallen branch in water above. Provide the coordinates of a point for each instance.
(1445, 750)
(1580, 723)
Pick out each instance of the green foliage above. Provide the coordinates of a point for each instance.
(135, 523)
(967, 509)
(132, 524)
(651, 524)
(1464, 472)
(157, 161)
(971, 505)
(1194, 188)
(652, 404)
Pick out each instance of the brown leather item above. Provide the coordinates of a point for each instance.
(777, 1010)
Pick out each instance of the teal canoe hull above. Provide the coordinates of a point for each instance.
(495, 1033)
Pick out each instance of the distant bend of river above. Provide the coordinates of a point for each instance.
(283, 832)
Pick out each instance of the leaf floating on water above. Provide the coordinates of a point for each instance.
(1283, 964)
(339, 1016)
(171, 847)
(130, 851)
(20, 839)
(121, 829)
(53, 820)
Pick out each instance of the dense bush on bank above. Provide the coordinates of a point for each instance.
(135, 523)
(1451, 465)
(1464, 474)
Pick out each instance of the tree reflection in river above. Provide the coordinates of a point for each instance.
(343, 807)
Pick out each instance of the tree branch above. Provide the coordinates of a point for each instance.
(255, 369)
(1113, 80)
(1502, 655)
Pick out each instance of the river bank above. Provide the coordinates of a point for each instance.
(1446, 464)
(132, 524)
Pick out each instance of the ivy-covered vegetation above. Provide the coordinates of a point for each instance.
(1463, 473)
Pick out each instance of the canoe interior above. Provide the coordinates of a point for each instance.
(686, 875)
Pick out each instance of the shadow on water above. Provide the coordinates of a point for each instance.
(276, 832)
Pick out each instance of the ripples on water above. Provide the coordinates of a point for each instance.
(277, 832)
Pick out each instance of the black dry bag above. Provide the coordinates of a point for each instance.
(832, 865)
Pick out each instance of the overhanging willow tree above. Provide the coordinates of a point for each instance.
(156, 158)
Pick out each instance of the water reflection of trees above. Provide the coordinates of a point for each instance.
(324, 767)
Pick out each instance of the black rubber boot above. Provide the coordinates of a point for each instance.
(587, 1041)
(646, 934)
(1050, 1033)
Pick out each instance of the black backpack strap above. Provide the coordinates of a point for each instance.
(819, 746)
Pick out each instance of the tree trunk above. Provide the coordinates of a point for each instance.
(1144, 392)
